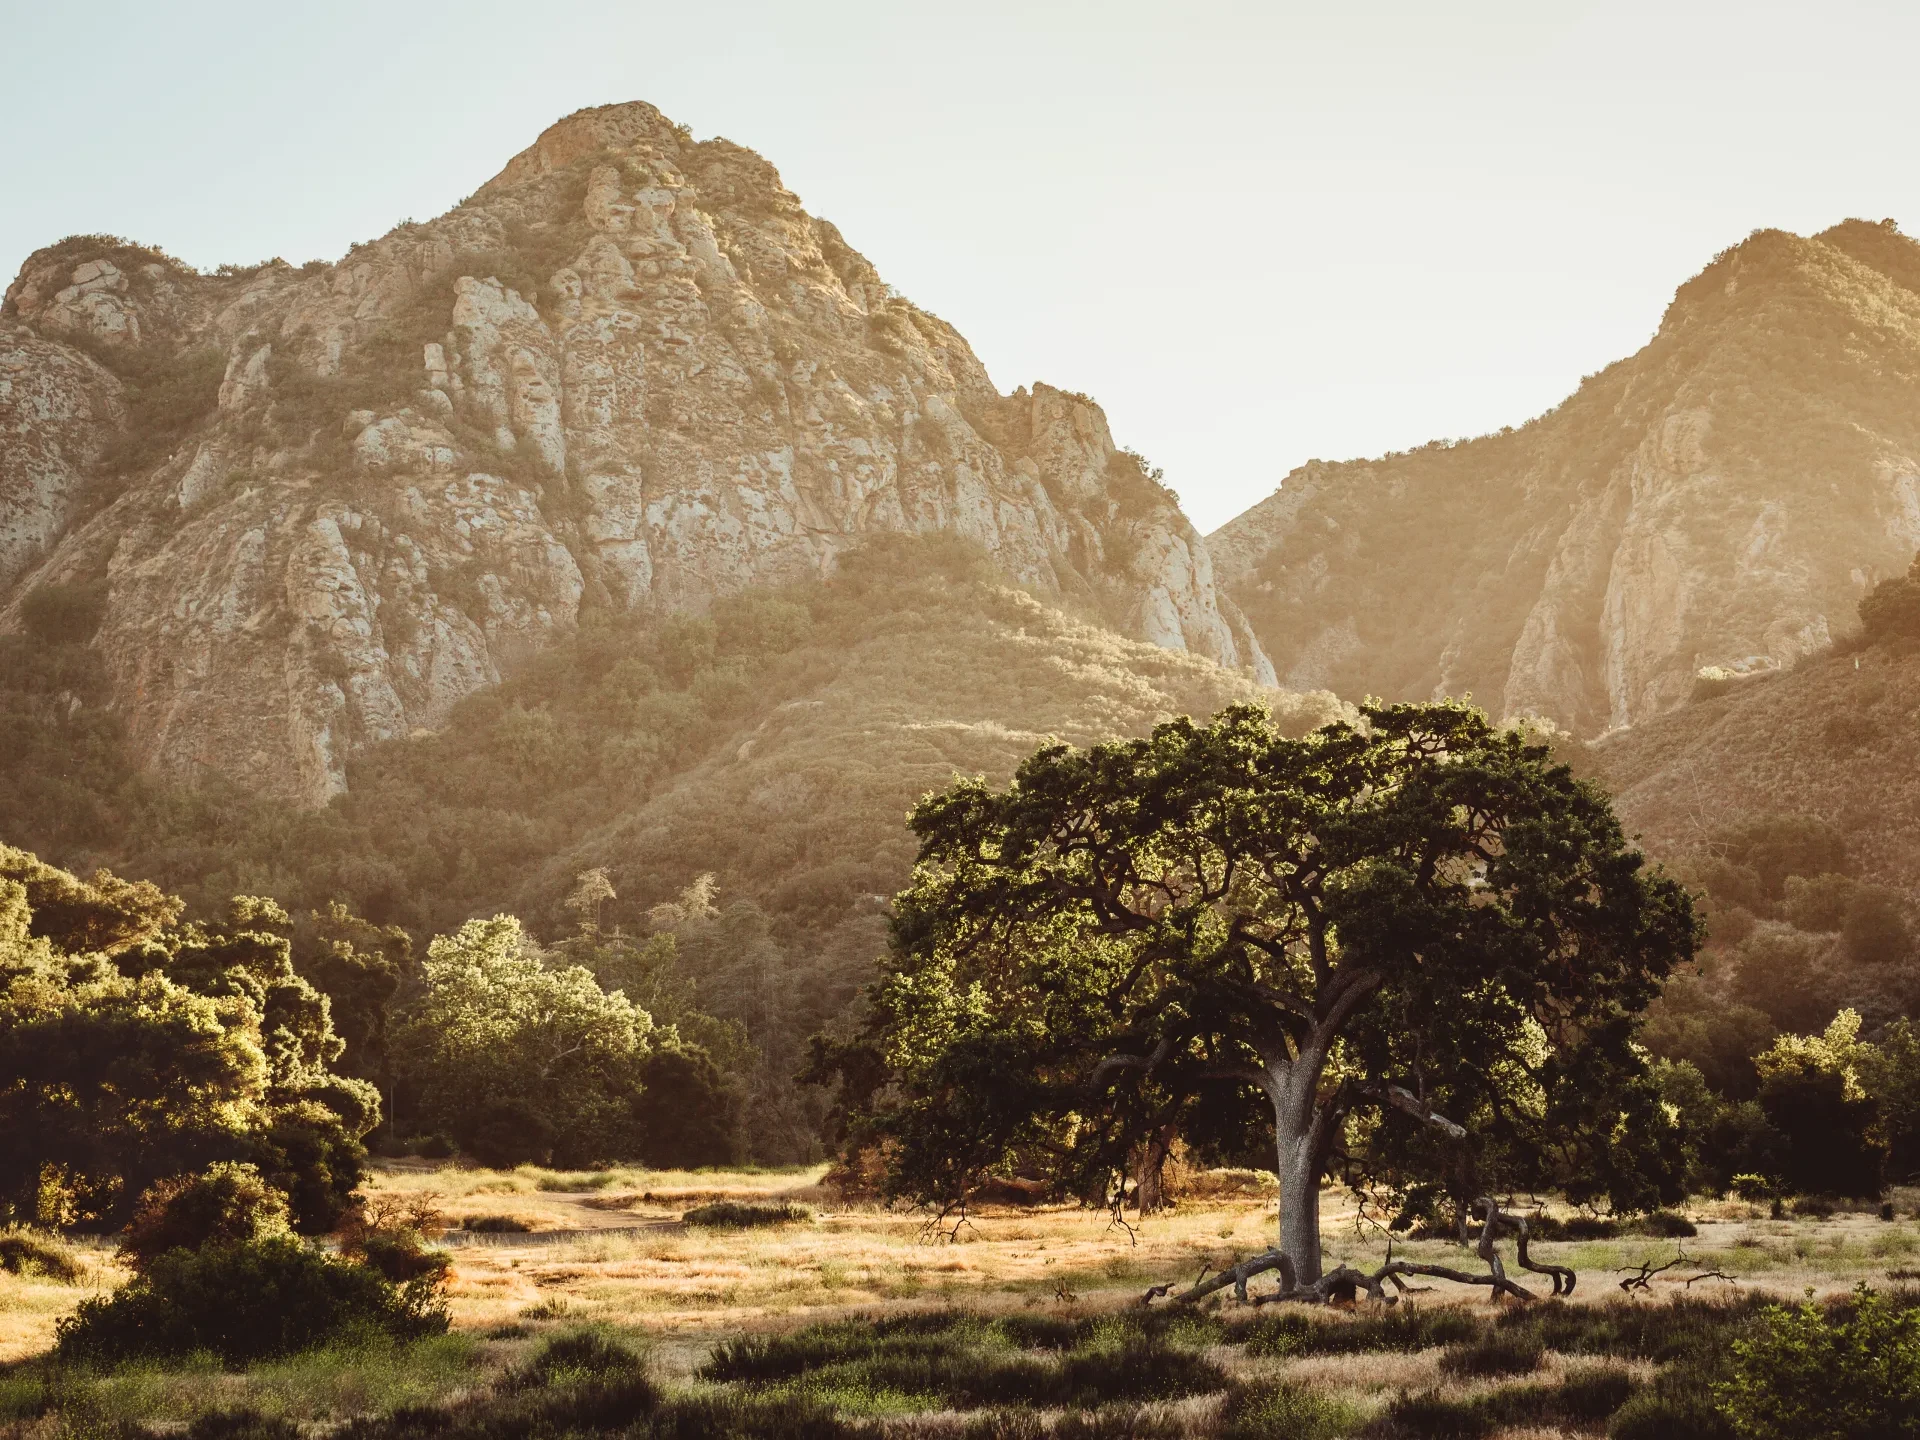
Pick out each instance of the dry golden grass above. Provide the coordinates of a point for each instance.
(682, 1289)
(641, 1267)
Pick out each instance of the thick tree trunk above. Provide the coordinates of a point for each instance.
(1297, 1143)
(1150, 1192)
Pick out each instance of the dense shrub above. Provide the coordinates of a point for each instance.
(1847, 1373)
(575, 1359)
(227, 1204)
(687, 1112)
(246, 1302)
(1665, 1225)
(1681, 1411)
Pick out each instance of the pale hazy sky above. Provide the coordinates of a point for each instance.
(1257, 233)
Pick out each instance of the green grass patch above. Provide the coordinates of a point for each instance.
(969, 1362)
(1404, 1328)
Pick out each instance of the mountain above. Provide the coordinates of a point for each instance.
(1820, 740)
(295, 512)
(1714, 506)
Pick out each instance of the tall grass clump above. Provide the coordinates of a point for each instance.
(746, 1214)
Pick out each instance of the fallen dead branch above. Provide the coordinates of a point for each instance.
(1346, 1281)
(1644, 1280)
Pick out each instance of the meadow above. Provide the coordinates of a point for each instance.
(854, 1319)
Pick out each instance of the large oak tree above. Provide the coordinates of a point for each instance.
(1419, 943)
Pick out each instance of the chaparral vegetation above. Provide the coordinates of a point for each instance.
(1230, 1082)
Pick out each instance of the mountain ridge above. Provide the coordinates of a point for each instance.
(315, 508)
(1717, 502)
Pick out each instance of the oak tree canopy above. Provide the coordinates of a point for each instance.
(1416, 942)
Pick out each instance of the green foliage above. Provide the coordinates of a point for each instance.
(520, 1059)
(134, 1047)
(1404, 1328)
(1874, 928)
(167, 397)
(1775, 847)
(579, 1358)
(1814, 1093)
(1817, 902)
(916, 644)
(244, 1302)
(687, 1113)
(746, 1214)
(1818, 1374)
(1581, 1399)
(1132, 933)
(226, 1204)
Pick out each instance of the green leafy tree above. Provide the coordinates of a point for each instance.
(501, 1043)
(1414, 927)
(1890, 1074)
(1813, 1090)
(359, 967)
(135, 1047)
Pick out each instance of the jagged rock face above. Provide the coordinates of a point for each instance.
(1719, 502)
(57, 408)
(629, 372)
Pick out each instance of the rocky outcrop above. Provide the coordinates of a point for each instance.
(1716, 504)
(57, 410)
(630, 372)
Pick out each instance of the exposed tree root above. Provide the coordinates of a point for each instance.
(1345, 1280)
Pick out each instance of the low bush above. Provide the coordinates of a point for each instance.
(1670, 1412)
(227, 1204)
(243, 1302)
(746, 1214)
(1678, 1330)
(1583, 1400)
(579, 1358)
(1574, 1227)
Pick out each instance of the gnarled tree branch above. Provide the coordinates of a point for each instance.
(1346, 1278)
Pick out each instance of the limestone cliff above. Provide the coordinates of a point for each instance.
(323, 504)
(1719, 502)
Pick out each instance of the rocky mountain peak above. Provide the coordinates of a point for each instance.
(1714, 505)
(317, 506)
